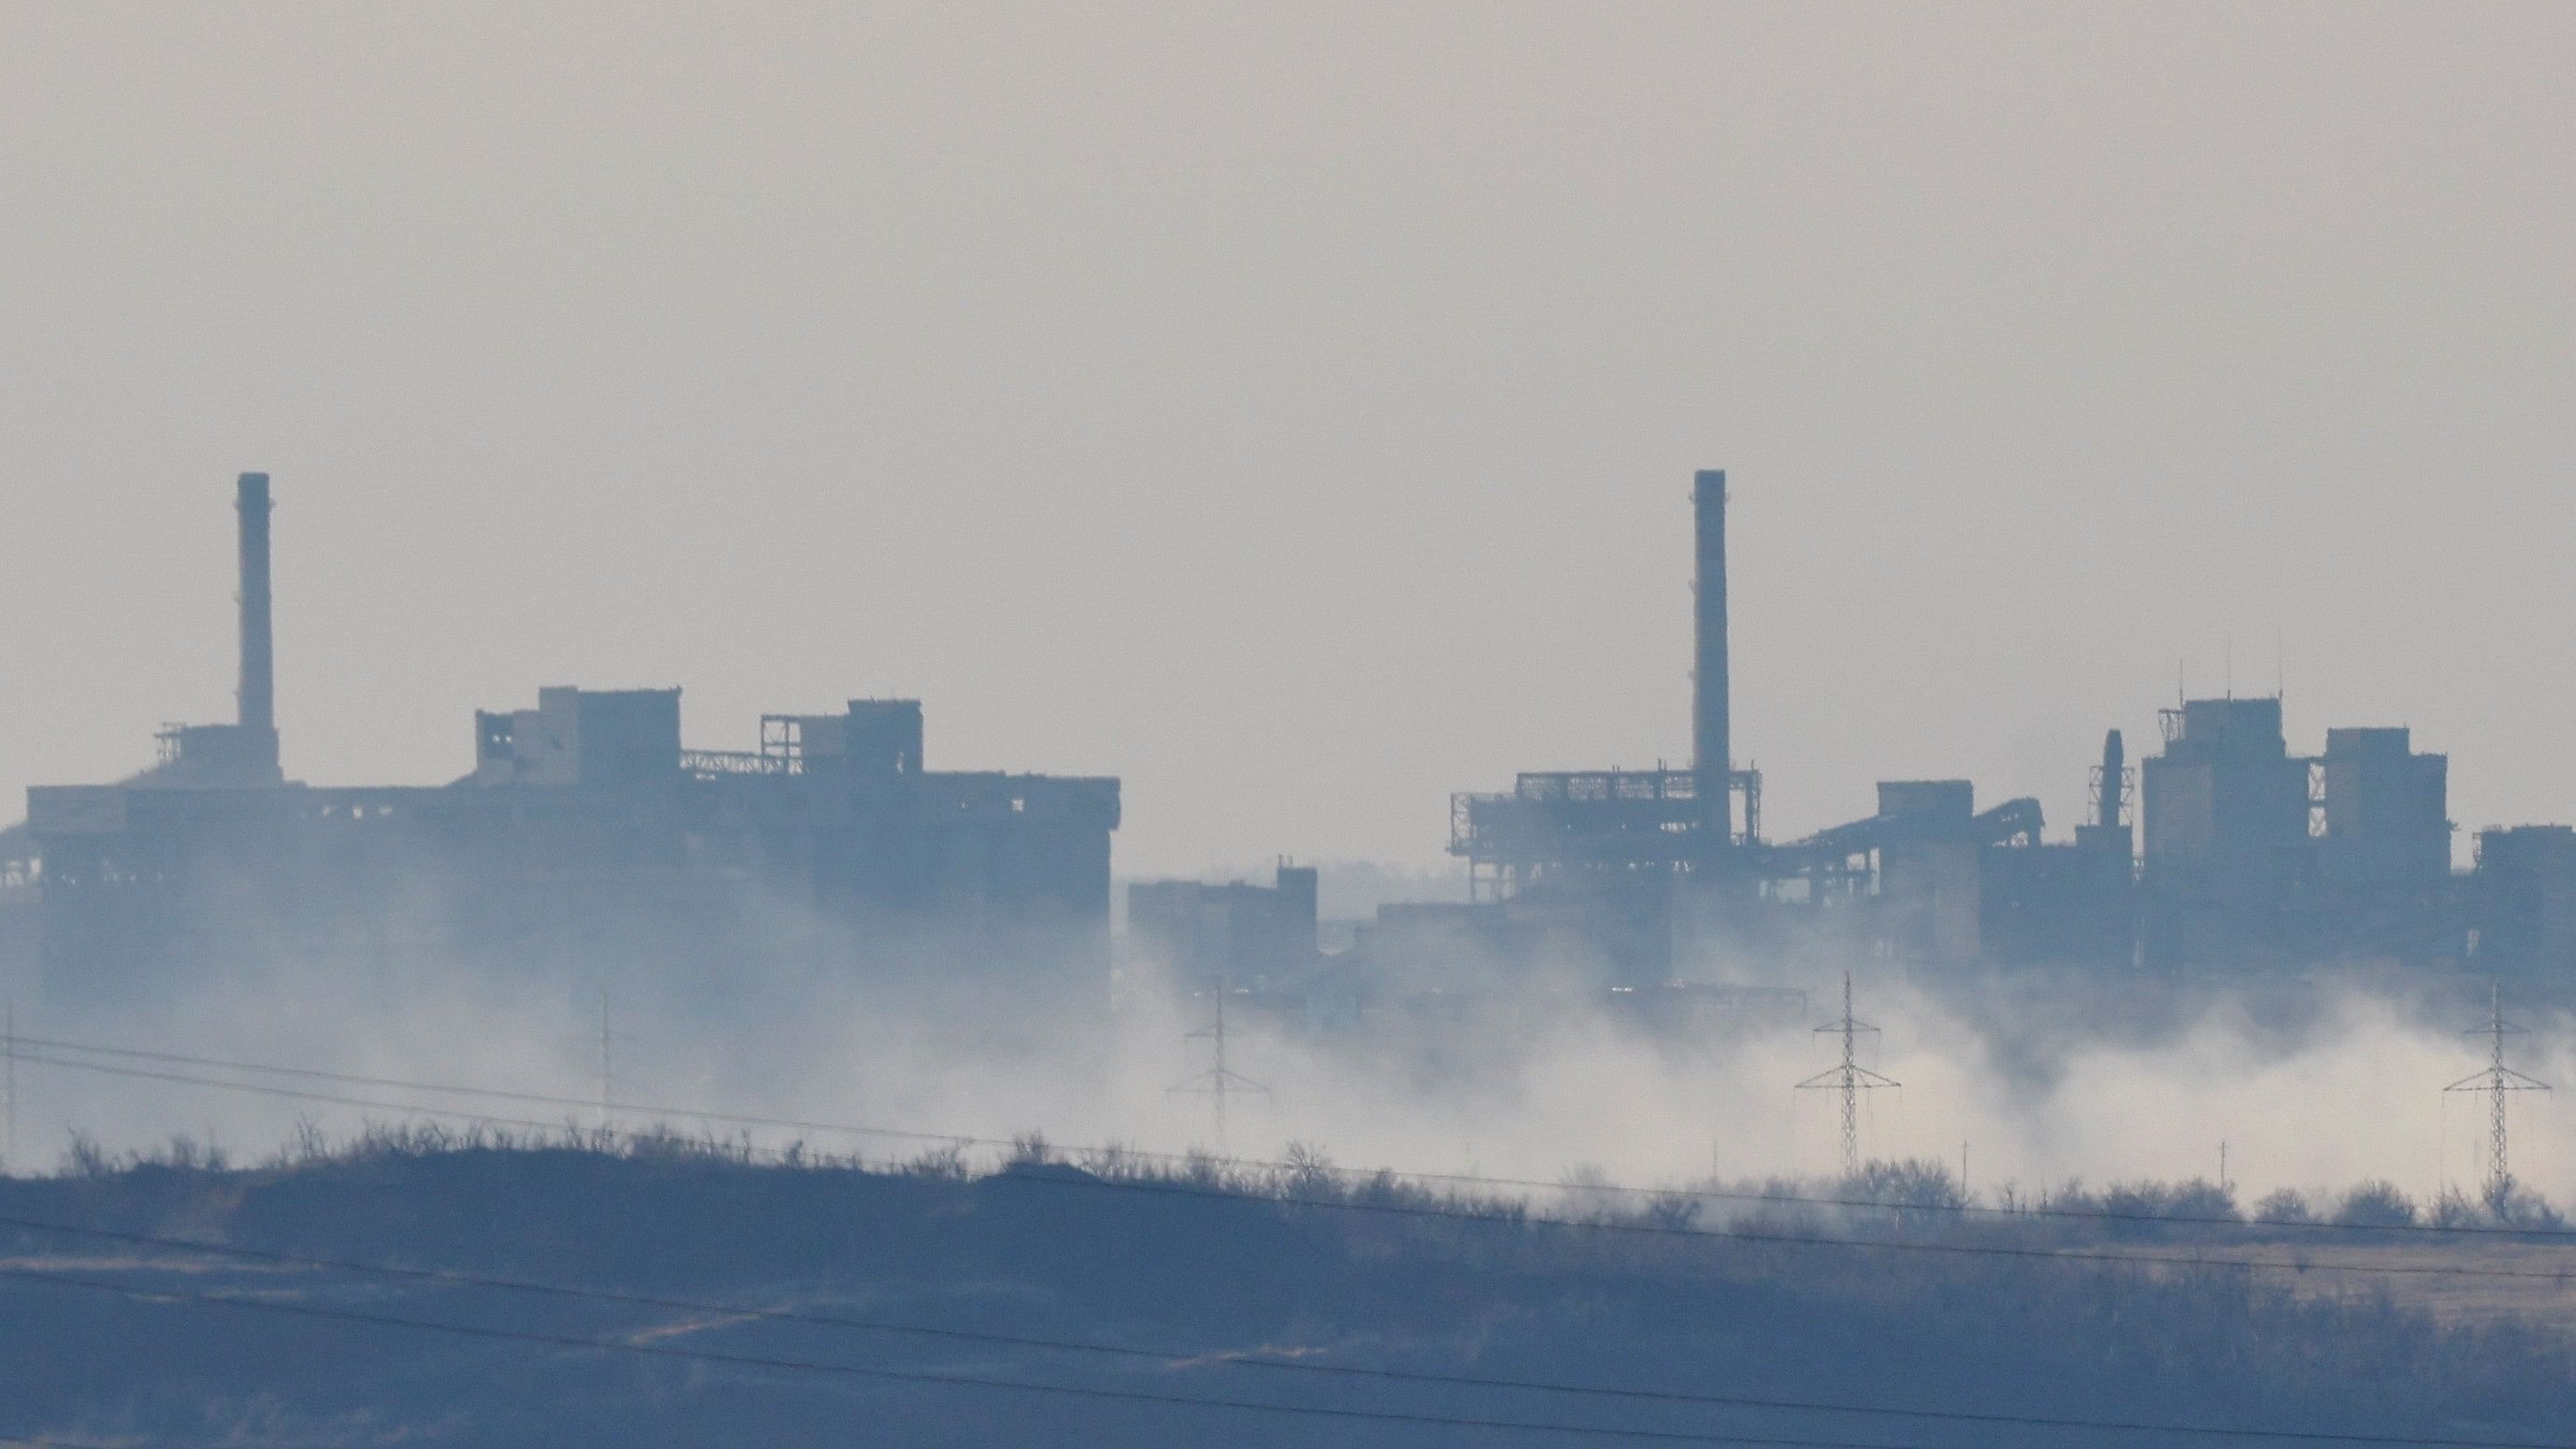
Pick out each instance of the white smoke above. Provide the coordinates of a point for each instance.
(1529, 1086)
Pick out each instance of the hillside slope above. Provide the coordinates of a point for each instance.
(1385, 1279)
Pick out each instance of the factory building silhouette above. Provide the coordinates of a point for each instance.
(587, 825)
(585, 830)
(2222, 851)
(2247, 854)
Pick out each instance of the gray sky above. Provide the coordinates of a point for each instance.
(1292, 409)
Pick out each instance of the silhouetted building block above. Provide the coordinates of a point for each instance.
(2226, 804)
(1929, 870)
(2385, 812)
(581, 737)
(882, 736)
(1212, 935)
(2524, 899)
(2226, 839)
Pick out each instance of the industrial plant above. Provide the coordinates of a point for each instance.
(584, 827)
(2224, 852)
(586, 824)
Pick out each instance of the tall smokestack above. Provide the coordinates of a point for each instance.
(2114, 769)
(1712, 747)
(258, 694)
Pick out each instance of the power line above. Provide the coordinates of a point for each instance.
(743, 1119)
(1516, 1217)
(1180, 1357)
(950, 1380)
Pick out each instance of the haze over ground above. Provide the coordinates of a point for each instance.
(1291, 410)
(2313, 1089)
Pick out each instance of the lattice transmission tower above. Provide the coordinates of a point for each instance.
(9, 1085)
(2496, 1081)
(603, 1045)
(1219, 1081)
(1849, 1078)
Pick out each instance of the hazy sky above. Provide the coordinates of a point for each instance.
(1291, 409)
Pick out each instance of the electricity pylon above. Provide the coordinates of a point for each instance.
(1849, 1078)
(608, 1039)
(9, 1087)
(2495, 1081)
(1219, 1080)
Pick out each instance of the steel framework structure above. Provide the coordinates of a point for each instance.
(1849, 1077)
(2496, 1080)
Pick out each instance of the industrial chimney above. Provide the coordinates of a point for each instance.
(1712, 749)
(258, 696)
(2114, 772)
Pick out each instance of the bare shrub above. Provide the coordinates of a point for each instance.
(2522, 1207)
(2452, 1209)
(2194, 1199)
(2377, 1203)
(1915, 1182)
(1204, 1169)
(1310, 1173)
(943, 1164)
(85, 1158)
(2284, 1205)
(1672, 1212)
(1114, 1159)
(1587, 1195)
